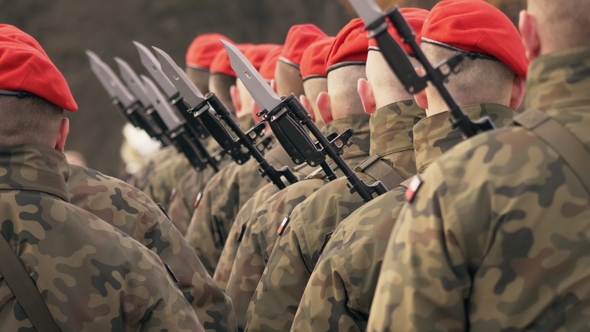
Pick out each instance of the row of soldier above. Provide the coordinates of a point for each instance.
(485, 233)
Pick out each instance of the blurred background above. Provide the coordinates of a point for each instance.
(65, 28)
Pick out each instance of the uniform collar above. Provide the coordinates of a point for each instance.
(433, 136)
(361, 137)
(34, 168)
(392, 135)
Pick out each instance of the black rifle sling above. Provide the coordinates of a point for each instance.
(25, 290)
(380, 170)
(566, 145)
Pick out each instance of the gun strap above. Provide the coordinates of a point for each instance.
(380, 170)
(566, 145)
(24, 289)
(319, 173)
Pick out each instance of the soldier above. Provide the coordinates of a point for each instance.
(229, 189)
(494, 234)
(313, 73)
(345, 276)
(91, 276)
(200, 55)
(341, 107)
(186, 193)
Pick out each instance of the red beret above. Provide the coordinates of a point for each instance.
(26, 67)
(203, 50)
(350, 46)
(478, 28)
(221, 63)
(298, 39)
(416, 18)
(313, 63)
(257, 53)
(267, 68)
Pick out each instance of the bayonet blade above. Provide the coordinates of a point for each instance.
(133, 82)
(161, 105)
(256, 85)
(98, 70)
(153, 66)
(191, 94)
(367, 10)
(121, 92)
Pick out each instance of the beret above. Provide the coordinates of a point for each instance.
(267, 68)
(415, 18)
(477, 29)
(350, 47)
(203, 50)
(26, 68)
(299, 37)
(257, 53)
(313, 62)
(221, 63)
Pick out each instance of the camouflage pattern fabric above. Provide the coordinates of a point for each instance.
(132, 212)
(496, 237)
(92, 277)
(161, 183)
(260, 232)
(184, 197)
(342, 285)
(221, 200)
(140, 179)
(228, 254)
(311, 229)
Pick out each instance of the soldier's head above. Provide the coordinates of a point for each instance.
(287, 76)
(241, 98)
(223, 77)
(199, 56)
(33, 93)
(382, 87)
(548, 26)
(314, 75)
(495, 66)
(345, 65)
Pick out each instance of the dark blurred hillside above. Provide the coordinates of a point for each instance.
(66, 28)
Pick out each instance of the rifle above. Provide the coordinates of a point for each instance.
(288, 117)
(213, 113)
(131, 108)
(396, 57)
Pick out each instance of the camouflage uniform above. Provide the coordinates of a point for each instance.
(342, 285)
(221, 200)
(92, 277)
(260, 232)
(133, 213)
(161, 183)
(391, 139)
(140, 179)
(496, 237)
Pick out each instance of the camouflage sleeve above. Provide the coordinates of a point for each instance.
(228, 254)
(165, 177)
(340, 290)
(185, 196)
(218, 201)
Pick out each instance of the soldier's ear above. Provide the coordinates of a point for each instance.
(365, 91)
(324, 105)
(307, 104)
(518, 90)
(62, 135)
(420, 97)
(529, 34)
(235, 98)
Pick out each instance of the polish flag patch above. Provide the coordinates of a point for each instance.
(172, 195)
(282, 226)
(413, 188)
(198, 200)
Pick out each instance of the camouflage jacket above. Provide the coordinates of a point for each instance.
(345, 275)
(164, 179)
(140, 179)
(391, 138)
(260, 233)
(220, 202)
(132, 212)
(92, 277)
(496, 236)
(185, 196)
(228, 254)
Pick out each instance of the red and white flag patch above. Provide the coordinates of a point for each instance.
(413, 188)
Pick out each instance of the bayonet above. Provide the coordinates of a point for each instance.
(133, 82)
(396, 57)
(98, 70)
(288, 116)
(158, 101)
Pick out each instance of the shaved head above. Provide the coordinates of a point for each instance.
(387, 88)
(342, 88)
(562, 24)
(288, 80)
(313, 87)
